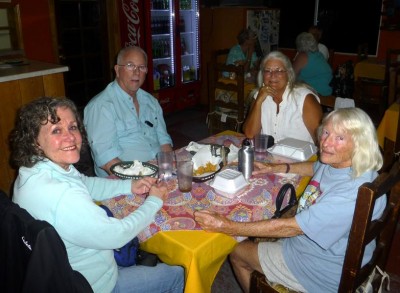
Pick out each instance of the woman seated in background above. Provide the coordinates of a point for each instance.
(309, 256)
(311, 66)
(244, 53)
(281, 107)
(45, 142)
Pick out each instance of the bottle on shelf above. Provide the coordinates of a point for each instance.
(183, 46)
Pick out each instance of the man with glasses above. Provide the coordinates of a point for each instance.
(124, 122)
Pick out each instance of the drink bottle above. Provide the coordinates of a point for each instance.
(246, 158)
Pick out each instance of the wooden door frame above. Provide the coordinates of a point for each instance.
(113, 30)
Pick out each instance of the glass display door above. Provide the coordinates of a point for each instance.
(175, 42)
(162, 42)
(189, 39)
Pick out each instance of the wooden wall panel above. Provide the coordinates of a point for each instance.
(31, 88)
(54, 85)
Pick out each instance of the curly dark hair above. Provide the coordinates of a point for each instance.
(30, 118)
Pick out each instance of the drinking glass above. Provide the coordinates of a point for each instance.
(185, 175)
(166, 161)
(262, 142)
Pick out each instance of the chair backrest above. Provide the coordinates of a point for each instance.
(219, 86)
(33, 256)
(364, 230)
(331, 57)
(362, 51)
(392, 74)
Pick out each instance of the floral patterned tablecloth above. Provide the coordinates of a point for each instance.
(256, 202)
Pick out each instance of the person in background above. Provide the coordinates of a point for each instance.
(244, 53)
(310, 66)
(45, 143)
(316, 31)
(124, 122)
(282, 107)
(309, 256)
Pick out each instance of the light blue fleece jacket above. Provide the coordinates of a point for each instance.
(65, 199)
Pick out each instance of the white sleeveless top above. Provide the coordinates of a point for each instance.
(289, 121)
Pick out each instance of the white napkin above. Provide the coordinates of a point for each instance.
(344, 103)
(194, 147)
(203, 156)
(233, 153)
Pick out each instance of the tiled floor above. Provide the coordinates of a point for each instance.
(187, 125)
(190, 125)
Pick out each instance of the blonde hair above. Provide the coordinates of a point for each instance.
(354, 121)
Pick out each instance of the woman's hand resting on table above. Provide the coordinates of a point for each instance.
(262, 168)
(143, 185)
(160, 190)
(212, 221)
(151, 186)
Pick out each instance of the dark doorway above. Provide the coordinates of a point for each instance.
(83, 47)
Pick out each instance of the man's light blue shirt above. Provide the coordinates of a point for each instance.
(115, 130)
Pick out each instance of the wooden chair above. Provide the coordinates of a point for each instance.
(331, 57)
(392, 75)
(363, 230)
(226, 96)
(362, 52)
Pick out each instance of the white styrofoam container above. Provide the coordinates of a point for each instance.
(292, 148)
(229, 183)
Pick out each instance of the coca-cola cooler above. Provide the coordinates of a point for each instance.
(168, 30)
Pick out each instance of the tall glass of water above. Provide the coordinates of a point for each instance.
(166, 161)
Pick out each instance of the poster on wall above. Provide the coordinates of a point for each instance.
(266, 24)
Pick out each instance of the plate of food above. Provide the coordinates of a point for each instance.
(134, 170)
(206, 172)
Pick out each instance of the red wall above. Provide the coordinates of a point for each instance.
(36, 33)
(38, 39)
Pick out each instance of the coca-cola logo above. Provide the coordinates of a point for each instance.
(131, 11)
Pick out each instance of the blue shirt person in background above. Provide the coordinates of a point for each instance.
(311, 66)
(244, 53)
(124, 122)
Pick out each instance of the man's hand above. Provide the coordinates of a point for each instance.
(166, 148)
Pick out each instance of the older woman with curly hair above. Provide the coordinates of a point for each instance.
(311, 66)
(45, 143)
(310, 253)
(282, 107)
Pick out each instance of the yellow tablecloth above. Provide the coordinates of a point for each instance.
(200, 253)
(388, 126)
(370, 68)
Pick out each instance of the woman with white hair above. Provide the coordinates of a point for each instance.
(282, 107)
(311, 66)
(310, 253)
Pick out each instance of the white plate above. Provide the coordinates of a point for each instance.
(292, 148)
(127, 164)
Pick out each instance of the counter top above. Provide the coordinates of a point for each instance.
(27, 69)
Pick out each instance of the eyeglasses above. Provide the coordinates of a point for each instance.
(276, 72)
(133, 67)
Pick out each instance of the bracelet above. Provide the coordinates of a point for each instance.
(287, 168)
